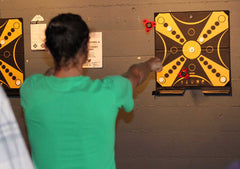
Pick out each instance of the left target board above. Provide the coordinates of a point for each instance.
(11, 55)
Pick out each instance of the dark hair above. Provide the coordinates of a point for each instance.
(66, 35)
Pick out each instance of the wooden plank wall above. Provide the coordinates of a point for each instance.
(170, 132)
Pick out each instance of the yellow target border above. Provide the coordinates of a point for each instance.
(11, 67)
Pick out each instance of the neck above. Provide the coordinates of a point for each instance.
(72, 70)
(68, 72)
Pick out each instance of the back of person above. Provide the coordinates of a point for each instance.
(71, 121)
(71, 118)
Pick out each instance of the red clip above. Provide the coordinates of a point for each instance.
(183, 73)
(148, 25)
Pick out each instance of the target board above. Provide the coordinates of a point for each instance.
(195, 51)
(11, 55)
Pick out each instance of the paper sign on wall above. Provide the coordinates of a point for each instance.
(37, 29)
(95, 51)
(38, 36)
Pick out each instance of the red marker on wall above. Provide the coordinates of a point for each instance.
(148, 25)
(183, 73)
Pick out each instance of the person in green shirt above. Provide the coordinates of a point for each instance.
(70, 117)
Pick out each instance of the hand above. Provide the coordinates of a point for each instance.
(155, 64)
(138, 73)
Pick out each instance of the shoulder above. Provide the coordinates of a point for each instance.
(118, 84)
(116, 80)
(121, 88)
(34, 77)
(31, 81)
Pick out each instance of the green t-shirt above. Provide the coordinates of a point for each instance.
(71, 121)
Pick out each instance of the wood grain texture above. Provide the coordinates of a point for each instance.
(167, 132)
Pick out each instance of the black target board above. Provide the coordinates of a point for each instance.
(195, 51)
(11, 55)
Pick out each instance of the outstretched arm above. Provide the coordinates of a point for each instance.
(138, 73)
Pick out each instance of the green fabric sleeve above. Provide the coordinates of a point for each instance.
(122, 89)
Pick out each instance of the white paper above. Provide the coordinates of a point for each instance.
(37, 18)
(38, 36)
(95, 51)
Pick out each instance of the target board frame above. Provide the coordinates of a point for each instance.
(194, 48)
(12, 70)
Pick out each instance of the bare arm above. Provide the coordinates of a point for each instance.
(138, 73)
